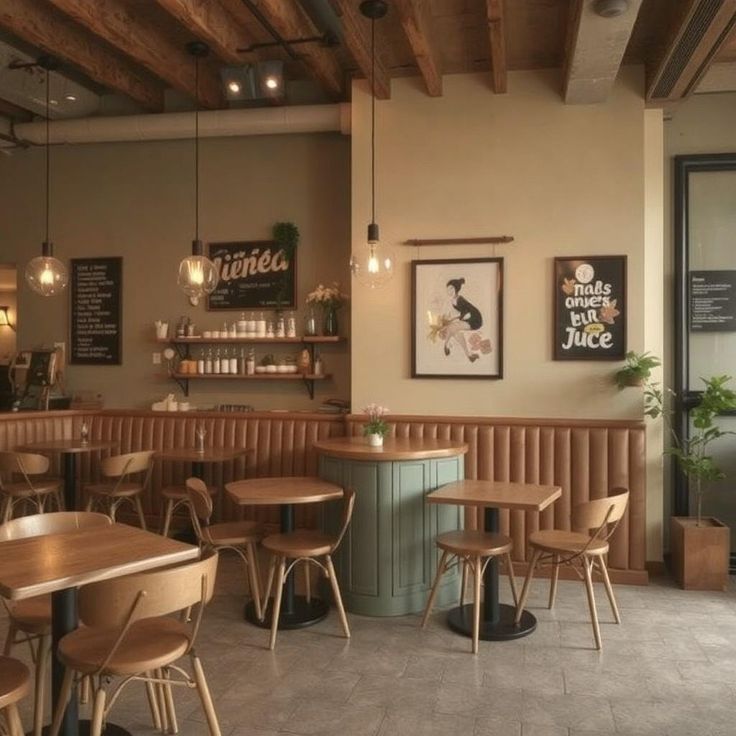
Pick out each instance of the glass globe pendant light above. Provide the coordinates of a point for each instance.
(373, 264)
(198, 276)
(45, 274)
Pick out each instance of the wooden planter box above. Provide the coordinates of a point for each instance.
(700, 554)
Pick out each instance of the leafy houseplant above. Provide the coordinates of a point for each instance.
(637, 370)
(376, 428)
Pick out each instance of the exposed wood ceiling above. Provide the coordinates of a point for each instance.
(136, 48)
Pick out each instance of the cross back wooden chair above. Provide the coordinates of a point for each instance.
(241, 537)
(308, 547)
(15, 682)
(28, 484)
(176, 497)
(118, 489)
(584, 549)
(473, 550)
(30, 619)
(130, 634)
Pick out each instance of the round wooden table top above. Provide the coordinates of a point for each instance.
(393, 448)
(270, 491)
(68, 446)
(210, 454)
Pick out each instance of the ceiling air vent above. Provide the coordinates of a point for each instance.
(703, 28)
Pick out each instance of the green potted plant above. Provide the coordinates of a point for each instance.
(699, 546)
(376, 428)
(637, 370)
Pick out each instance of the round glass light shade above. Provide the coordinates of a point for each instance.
(197, 276)
(373, 264)
(46, 275)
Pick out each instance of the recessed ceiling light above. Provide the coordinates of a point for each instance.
(54, 102)
(611, 8)
(70, 98)
(234, 87)
(271, 82)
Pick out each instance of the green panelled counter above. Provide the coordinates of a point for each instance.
(387, 561)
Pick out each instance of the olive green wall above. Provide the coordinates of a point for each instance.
(135, 200)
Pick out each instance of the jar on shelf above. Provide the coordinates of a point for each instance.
(310, 322)
(261, 325)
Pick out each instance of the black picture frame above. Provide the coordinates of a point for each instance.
(595, 283)
(253, 291)
(491, 303)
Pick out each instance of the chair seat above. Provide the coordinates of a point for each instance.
(474, 542)
(150, 643)
(41, 486)
(109, 489)
(15, 681)
(33, 615)
(179, 493)
(556, 540)
(234, 532)
(303, 543)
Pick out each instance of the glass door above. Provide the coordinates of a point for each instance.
(705, 324)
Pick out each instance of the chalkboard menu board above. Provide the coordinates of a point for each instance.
(590, 308)
(713, 301)
(96, 314)
(253, 275)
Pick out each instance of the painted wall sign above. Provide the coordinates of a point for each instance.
(713, 301)
(253, 275)
(590, 308)
(96, 311)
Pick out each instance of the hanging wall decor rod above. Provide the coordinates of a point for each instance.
(495, 239)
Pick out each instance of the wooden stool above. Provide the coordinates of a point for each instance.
(15, 682)
(176, 497)
(34, 489)
(473, 549)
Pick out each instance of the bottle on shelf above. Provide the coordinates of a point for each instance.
(200, 362)
(233, 330)
(216, 362)
(310, 322)
(251, 324)
(242, 325)
(234, 362)
(250, 366)
(241, 362)
(225, 361)
(280, 325)
(208, 362)
(291, 325)
(318, 366)
(261, 325)
(270, 332)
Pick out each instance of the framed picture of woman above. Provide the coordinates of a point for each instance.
(457, 318)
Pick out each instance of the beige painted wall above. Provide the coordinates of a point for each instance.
(563, 180)
(7, 336)
(136, 200)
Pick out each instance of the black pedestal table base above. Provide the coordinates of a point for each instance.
(85, 729)
(460, 619)
(302, 614)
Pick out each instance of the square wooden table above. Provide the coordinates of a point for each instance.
(497, 619)
(59, 563)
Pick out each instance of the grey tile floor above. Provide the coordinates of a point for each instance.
(668, 670)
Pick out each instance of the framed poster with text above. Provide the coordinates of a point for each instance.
(253, 275)
(590, 308)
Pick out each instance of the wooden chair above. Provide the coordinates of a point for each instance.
(306, 546)
(584, 551)
(28, 483)
(129, 633)
(15, 682)
(108, 496)
(473, 549)
(30, 619)
(176, 497)
(239, 536)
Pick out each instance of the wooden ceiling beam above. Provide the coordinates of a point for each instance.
(111, 21)
(290, 21)
(416, 22)
(210, 22)
(594, 51)
(497, 38)
(357, 37)
(43, 29)
(698, 32)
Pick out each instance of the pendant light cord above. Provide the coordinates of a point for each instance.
(48, 162)
(196, 148)
(373, 120)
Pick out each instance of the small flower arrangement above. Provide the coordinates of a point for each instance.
(327, 296)
(376, 423)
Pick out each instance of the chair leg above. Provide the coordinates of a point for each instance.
(277, 601)
(463, 582)
(254, 577)
(90, 503)
(609, 589)
(98, 712)
(477, 569)
(139, 508)
(64, 696)
(512, 579)
(161, 701)
(436, 585)
(553, 581)
(269, 584)
(10, 638)
(338, 598)
(44, 644)
(527, 584)
(587, 564)
(85, 688)
(15, 726)
(308, 582)
(170, 709)
(205, 697)
(8, 512)
(168, 514)
(153, 703)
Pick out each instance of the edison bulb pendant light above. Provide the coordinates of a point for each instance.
(197, 274)
(372, 264)
(45, 274)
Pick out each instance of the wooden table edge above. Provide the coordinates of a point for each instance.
(432, 498)
(327, 496)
